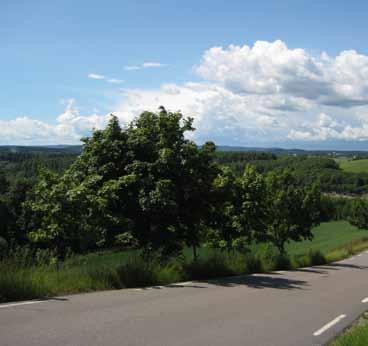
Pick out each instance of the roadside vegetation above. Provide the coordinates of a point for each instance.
(27, 274)
(357, 335)
(144, 205)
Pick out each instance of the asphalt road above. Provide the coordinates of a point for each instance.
(303, 307)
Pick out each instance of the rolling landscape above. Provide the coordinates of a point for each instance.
(62, 232)
(183, 174)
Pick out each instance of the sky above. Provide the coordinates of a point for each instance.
(286, 73)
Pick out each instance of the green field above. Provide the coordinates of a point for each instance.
(111, 270)
(327, 238)
(354, 166)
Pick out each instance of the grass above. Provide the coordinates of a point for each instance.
(354, 166)
(357, 335)
(113, 270)
(327, 237)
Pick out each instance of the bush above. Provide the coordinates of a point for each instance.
(253, 264)
(214, 266)
(359, 213)
(16, 284)
(312, 258)
(26, 256)
(271, 259)
(136, 273)
(109, 278)
(140, 273)
(169, 273)
(316, 258)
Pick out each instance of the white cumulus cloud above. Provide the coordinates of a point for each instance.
(273, 68)
(70, 126)
(219, 114)
(264, 94)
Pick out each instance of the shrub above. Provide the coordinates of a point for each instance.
(136, 273)
(253, 264)
(211, 267)
(26, 256)
(106, 277)
(316, 258)
(18, 284)
(272, 259)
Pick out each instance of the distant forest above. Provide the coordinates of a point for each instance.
(22, 162)
(149, 187)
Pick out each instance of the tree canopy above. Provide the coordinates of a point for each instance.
(148, 186)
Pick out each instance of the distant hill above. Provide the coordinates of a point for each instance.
(49, 149)
(281, 151)
(76, 149)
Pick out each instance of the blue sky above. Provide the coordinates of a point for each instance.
(49, 48)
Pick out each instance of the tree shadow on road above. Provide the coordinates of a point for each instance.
(61, 299)
(259, 281)
(336, 266)
(318, 270)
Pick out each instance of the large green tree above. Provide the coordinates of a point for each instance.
(147, 183)
(292, 210)
(239, 209)
(359, 213)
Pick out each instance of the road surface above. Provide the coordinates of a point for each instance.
(303, 307)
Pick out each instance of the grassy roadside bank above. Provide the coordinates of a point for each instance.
(357, 335)
(114, 270)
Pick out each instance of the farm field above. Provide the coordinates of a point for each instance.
(328, 237)
(353, 166)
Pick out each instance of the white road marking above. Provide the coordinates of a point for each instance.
(365, 300)
(185, 283)
(148, 288)
(329, 325)
(2, 306)
(179, 284)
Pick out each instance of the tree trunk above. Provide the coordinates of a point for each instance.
(195, 255)
(281, 248)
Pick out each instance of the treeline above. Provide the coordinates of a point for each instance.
(306, 169)
(148, 187)
(19, 172)
(230, 157)
(354, 210)
(238, 160)
(17, 165)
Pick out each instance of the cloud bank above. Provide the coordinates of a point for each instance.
(69, 128)
(265, 94)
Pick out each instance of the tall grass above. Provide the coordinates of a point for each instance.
(357, 335)
(20, 278)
